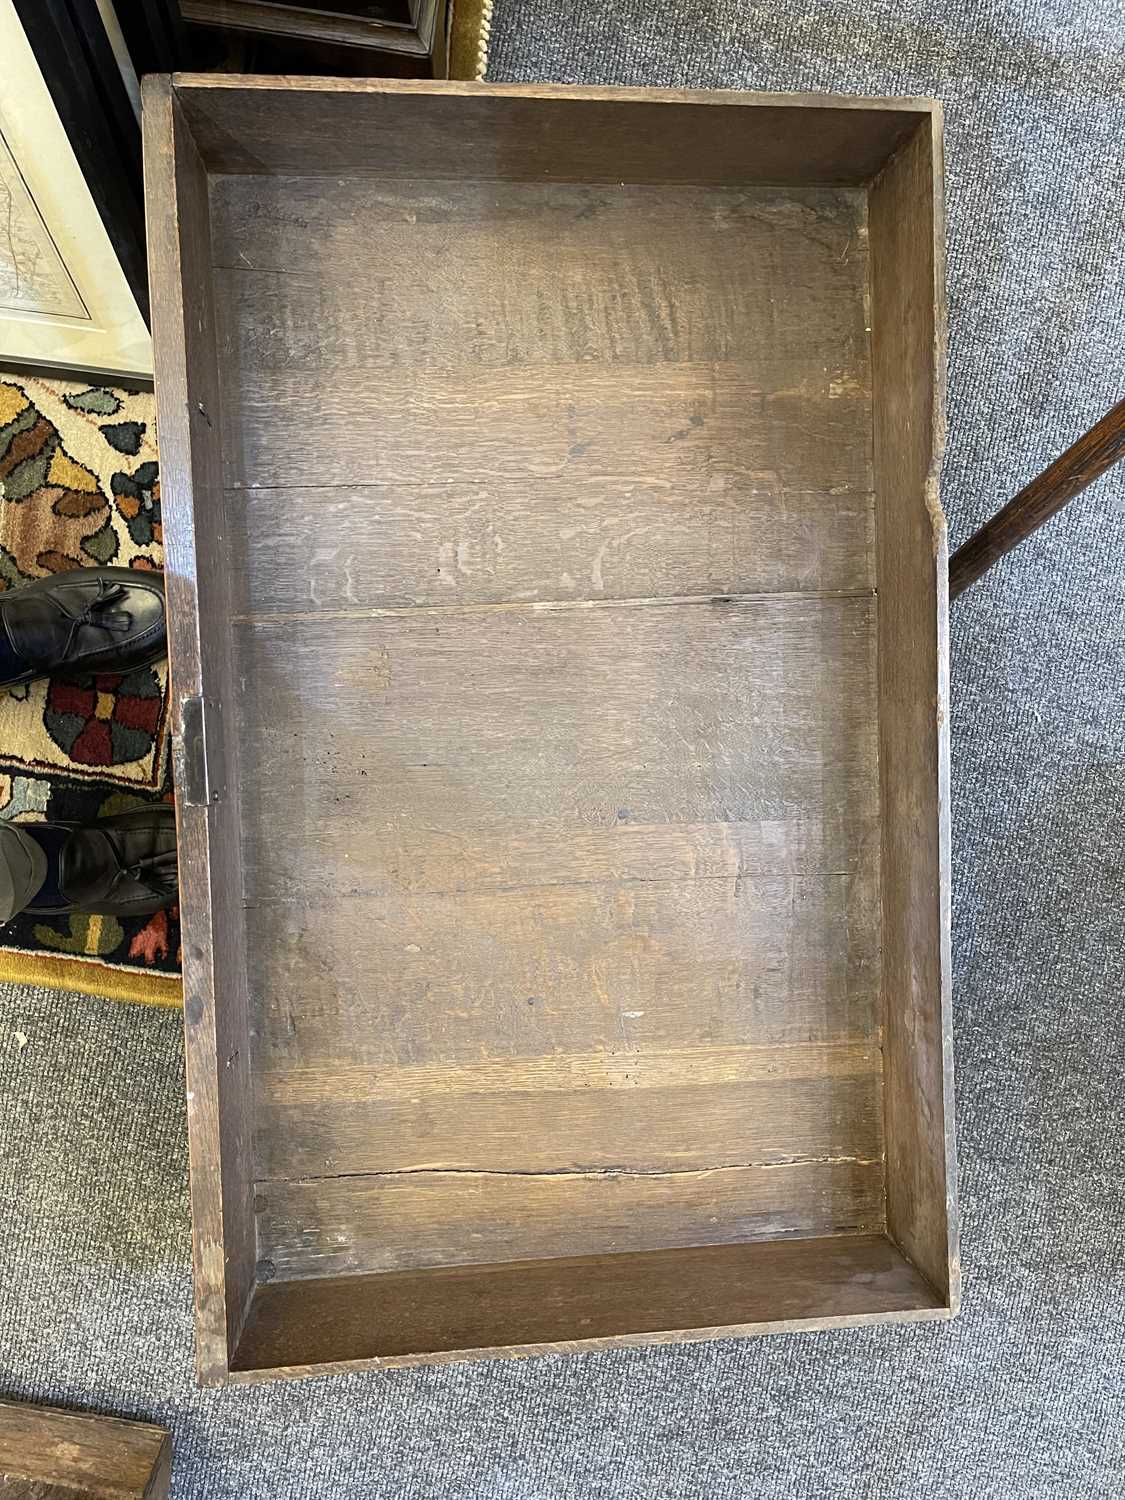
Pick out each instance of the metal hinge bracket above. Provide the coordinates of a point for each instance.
(197, 762)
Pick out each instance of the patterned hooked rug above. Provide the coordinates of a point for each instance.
(78, 487)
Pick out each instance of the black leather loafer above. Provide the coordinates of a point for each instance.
(90, 620)
(123, 866)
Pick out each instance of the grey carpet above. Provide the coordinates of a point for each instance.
(1024, 1395)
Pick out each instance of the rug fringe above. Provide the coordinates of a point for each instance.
(470, 35)
(485, 41)
(79, 976)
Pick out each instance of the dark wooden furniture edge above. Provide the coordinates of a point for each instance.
(255, 123)
(68, 1453)
(414, 39)
(216, 1037)
(318, 1326)
(51, 371)
(1082, 463)
(608, 93)
(909, 340)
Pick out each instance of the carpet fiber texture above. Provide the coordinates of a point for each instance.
(1024, 1394)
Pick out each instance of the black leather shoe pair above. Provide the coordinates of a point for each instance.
(78, 624)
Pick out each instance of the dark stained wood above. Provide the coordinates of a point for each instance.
(541, 539)
(393, 12)
(415, 36)
(683, 367)
(610, 719)
(197, 579)
(55, 1455)
(487, 132)
(497, 967)
(908, 352)
(522, 275)
(583, 422)
(624, 1110)
(546, 618)
(348, 1225)
(1082, 463)
(551, 1306)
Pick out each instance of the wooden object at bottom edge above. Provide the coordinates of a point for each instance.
(59, 1455)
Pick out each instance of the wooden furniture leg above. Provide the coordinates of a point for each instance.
(1087, 460)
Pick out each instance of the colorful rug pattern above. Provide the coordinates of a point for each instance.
(79, 486)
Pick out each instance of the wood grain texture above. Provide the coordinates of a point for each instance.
(354, 1225)
(525, 274)
(1082, 463)
(424, 859)
(689, 1122)
(618, 1113)
(552, 1306)
(628, 465)
(197, 580)
(730, 710)
(55, 1455)
(539, 505)
(908, 352)
(574, 422)
(551, 538)
(651, 828)
(386, 980)
(325, 127)
(717, 366)
(751, 710)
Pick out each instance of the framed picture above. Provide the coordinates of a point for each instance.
(413, 30)
(70, 297)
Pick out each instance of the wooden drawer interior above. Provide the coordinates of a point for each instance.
(552, 539)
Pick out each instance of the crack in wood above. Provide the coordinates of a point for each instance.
(575, 1172)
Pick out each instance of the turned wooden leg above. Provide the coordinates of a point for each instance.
(1079, 466)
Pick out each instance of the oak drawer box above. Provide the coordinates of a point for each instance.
(558, 615)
